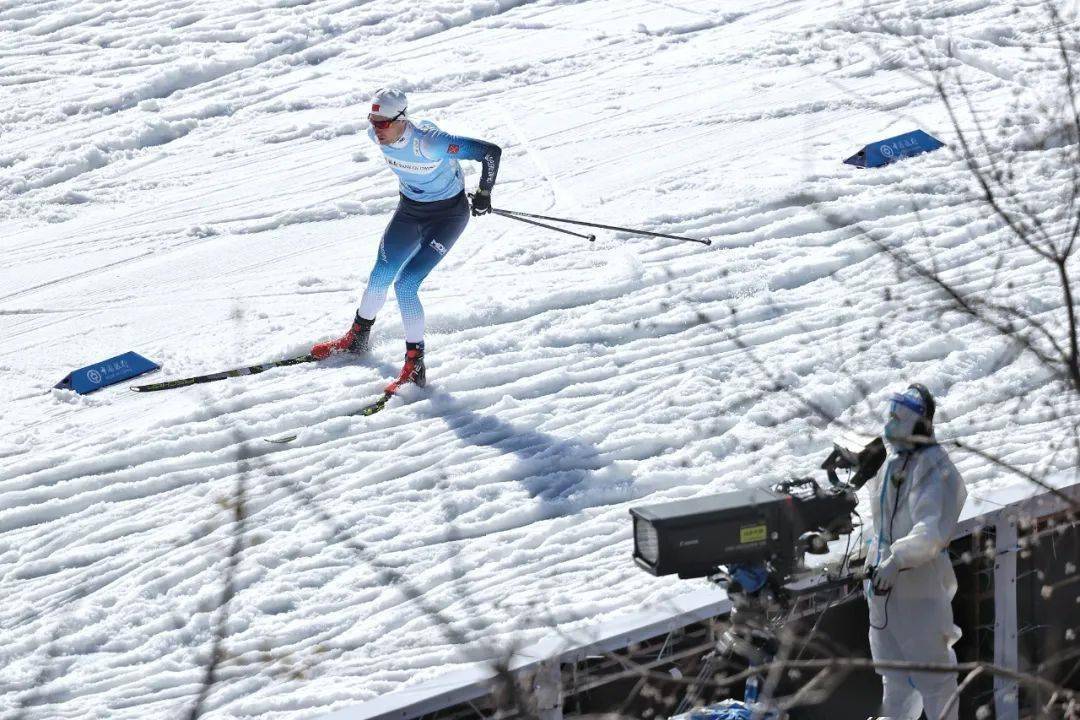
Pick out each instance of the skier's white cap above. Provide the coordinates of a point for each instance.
(388, 103)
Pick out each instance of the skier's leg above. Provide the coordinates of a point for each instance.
(438, 235)
(399, 241)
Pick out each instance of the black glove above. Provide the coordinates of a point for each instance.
(481, 202)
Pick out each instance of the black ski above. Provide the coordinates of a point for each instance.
(250, 370)
(365, 411)
(377, 405)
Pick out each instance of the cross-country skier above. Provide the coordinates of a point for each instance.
(431, 214)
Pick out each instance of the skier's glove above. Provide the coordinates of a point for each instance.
(885, 575)
(481, 202)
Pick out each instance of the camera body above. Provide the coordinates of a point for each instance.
(774, 526)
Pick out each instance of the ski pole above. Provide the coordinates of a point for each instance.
(505, 214)
(519, 215)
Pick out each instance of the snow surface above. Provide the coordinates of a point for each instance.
(191, 180)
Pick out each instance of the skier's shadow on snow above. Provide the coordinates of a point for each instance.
(553, 469)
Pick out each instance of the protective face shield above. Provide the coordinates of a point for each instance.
(909, 417)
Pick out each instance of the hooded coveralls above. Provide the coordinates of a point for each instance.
(916, 503)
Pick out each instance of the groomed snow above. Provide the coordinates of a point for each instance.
(192, 180)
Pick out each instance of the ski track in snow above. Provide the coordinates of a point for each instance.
(191, 180)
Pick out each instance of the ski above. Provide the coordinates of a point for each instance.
(388, 393)
(212, 377)
(365, 411)
(377, 405)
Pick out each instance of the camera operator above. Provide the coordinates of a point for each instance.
(915, 503)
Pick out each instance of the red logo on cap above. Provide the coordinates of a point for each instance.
(453, 149)
(375, 107)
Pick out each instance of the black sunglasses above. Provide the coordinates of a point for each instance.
(383, 124)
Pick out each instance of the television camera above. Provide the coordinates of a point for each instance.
(753, 543)
(757, 527)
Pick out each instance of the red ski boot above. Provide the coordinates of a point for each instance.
(357, 340)
(413, 371)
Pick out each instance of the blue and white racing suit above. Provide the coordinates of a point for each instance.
(431, 215)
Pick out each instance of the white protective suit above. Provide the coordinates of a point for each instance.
(916, 503)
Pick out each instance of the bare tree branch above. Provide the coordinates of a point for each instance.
(228, 590)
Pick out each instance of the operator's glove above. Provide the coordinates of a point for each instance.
(885, 575)
(481, 202)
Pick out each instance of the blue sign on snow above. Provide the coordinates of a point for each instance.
(883, 152)
(107, 372)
